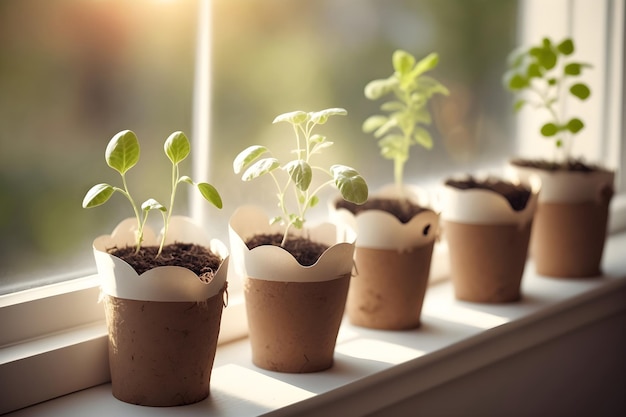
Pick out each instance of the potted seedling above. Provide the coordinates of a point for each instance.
(296, 275)
(396, 227)
(163, 296)
(487, 222)
(570, 225)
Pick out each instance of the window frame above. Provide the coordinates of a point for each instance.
(37, 346)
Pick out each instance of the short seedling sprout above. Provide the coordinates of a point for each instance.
(122, 153)
(407, 111)
(348, 181)
(541, 72)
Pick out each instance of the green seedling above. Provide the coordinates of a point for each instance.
(122, 153)
(543, 76)
(348, 181)
(407, 112)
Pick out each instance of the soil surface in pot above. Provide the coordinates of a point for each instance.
(516, 194)
(403, 210)
(573, 165)
(196, 258)
(306, 251)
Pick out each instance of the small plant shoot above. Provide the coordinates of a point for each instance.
(252, 163)
(407, 110)
(542, 76)
(122, 153)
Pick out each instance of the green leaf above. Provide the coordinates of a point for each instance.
(259, 168)
(296, 221)
(374, 122)
(186, 179)
(552, 81)
(177, 147)
(378, 88)
(422, 137)
(300, 172)
(519, 104)
(122, 152)
(313, 201)
(547, 58)
(247, 156)
(425, 64)
(428, 86)
(402, 61)
(580, 90)
(97, 195)
(152, 204)
(549, 129)
(393, 106)
(389, 124)
(392, 147)
(210, 194)
(294, 117)
(321, 145)
(350, 184)
(559, 143)
(572, 69)
(575, 125)
(533, 70)
(516, 81)
(321, 117)
(275, 219)
(516, 58)
(566, 47)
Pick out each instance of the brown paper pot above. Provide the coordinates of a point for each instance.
(487, 261)
(392, 262)
(570, 225)
(568, 239)
(388, 291)
(294, 325)
(163, 324)
(487, 242)
(161, 353)
(294, 311)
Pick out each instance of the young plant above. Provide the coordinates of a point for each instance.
(122, 153)
(407, 111)
(348, 181)
(538, 76)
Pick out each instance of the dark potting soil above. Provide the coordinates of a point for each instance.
(196, 258)
(516, 194)
(306, 251)
(404, 210)
(574, 165)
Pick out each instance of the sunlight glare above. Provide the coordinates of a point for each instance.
(376, 350)
(252, 386)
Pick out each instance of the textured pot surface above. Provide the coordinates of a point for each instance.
(162, 353)
(568, 239)
(294, 325)
(388, 291)
(487, 261)
(570, 225)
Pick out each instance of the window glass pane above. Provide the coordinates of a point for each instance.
(72, 74)
(275, 56)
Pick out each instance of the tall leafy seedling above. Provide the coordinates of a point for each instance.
(543, 76)
(252, 164)
(410, 90)
(122, 153)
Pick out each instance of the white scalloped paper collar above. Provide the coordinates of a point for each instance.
(164, 283)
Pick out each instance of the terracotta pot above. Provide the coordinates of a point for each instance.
(294, 311)
(163, 324)
(570, 226)
(392, 262)
(487, 242)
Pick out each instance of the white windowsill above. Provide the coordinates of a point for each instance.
(374, 369)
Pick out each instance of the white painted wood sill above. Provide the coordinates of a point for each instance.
(376, 369)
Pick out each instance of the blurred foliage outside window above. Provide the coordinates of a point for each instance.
(75, 72)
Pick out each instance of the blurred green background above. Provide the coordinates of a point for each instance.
(75, 72)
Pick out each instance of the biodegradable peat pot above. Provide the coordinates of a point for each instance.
(392, 260)
(294, 311)
(163, 324)
(570, 225)
(487, 224)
